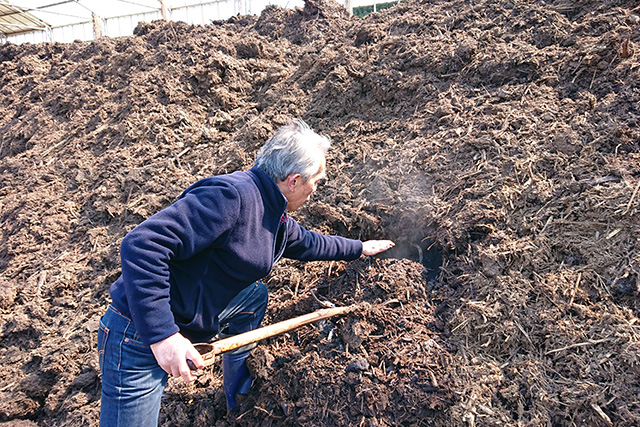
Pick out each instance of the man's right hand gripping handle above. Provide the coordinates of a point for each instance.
(172, 354)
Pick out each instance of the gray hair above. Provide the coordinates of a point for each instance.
(294, 148)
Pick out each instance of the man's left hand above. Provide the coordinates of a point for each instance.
(373, 247)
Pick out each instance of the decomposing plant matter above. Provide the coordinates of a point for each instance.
(497, 138)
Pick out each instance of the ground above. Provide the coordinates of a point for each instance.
(496, 141)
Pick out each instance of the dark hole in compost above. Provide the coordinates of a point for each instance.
(425, 252)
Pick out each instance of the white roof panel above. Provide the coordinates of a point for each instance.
(18, 16)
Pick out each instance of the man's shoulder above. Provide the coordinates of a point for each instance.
(241, 181)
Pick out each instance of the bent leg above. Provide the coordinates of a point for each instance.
(244, 313)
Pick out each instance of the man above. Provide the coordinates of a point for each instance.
(191, 271)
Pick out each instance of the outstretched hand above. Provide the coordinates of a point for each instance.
(172, 353)
(373, 247)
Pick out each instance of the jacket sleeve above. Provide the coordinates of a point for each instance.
(306, 245)
(201, 218)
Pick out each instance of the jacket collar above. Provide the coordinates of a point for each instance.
(271, 194)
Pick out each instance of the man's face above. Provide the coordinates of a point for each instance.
(300, 191)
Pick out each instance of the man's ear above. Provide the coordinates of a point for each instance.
(293, 181)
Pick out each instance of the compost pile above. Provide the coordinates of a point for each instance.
(496, 141)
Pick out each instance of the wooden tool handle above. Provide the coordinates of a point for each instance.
(209, 350)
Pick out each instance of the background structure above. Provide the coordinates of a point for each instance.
(36, 21)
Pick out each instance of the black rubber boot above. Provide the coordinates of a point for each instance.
(235, 376)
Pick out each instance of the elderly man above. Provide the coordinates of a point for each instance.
(191, 272)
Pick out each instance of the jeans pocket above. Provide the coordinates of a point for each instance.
(103, 335)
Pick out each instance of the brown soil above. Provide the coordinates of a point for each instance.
(500, 135)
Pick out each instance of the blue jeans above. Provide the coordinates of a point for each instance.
(132, 380)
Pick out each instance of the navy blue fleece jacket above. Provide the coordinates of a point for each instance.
(182, 266)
